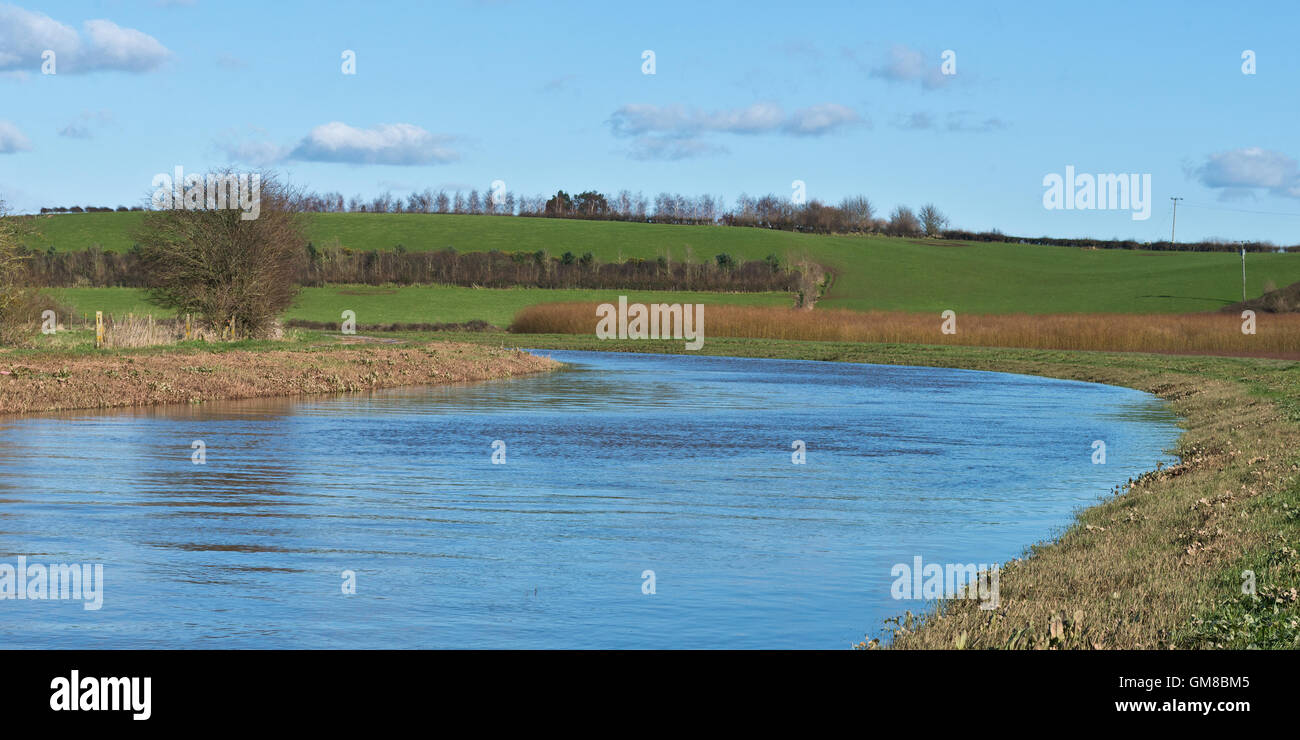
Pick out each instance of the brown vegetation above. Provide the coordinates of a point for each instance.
(53, 381)
(1284, 300)
(1210, 333)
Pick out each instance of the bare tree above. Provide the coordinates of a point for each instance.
(932, 220)
(858, 212)
(220, 265)
(902, 222)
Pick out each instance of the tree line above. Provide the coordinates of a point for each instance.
(90, 209)
(854, 214)
(95, 267)
(851, 215)
(1207, 245)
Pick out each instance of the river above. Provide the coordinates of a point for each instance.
(638, 501)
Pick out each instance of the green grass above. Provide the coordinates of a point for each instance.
(69, 232)
(873, 272)
(116, 301)
(413, 304)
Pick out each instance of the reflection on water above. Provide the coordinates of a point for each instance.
(617, 465)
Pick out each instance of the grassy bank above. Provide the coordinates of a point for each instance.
(874, 273)
(1160, 564)
(75, 378)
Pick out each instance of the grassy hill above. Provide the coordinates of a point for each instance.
(873, 272)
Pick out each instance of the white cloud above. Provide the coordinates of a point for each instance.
(256, 151)
(820, 119)
(103, 45)
(905, 64)
(387, 143)
(638, 119)
(674, 132)
(114, 47)
(1240, 170)
(11, 139)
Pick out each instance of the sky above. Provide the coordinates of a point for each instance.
(972, 106)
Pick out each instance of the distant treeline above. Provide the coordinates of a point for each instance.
(96, 268)
(852, 215)
(1215, 245)
(90, 209)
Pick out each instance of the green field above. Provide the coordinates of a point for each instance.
(872, 272)
(412, 304)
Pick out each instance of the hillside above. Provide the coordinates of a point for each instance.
(873, 272)
(1282, 300)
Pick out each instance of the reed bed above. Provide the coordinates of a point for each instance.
(147, 331)
(141, 331)
(1276, 335)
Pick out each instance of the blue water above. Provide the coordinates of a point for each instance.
(621, 464)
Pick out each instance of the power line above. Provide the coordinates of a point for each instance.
(1239, 210)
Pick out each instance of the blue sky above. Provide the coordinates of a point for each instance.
(848, 97)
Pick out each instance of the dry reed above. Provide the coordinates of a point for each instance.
(1276, 335)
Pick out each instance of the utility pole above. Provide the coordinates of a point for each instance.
(1174, 225)
(1243, 272)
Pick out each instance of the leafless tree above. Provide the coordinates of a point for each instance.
(902, 222)
(932, 220)
(219, 265)
(858, 212)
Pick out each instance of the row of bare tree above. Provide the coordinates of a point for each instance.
(854, 214)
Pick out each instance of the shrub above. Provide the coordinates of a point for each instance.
(902, 222)
(15, 299)
(219, 265)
